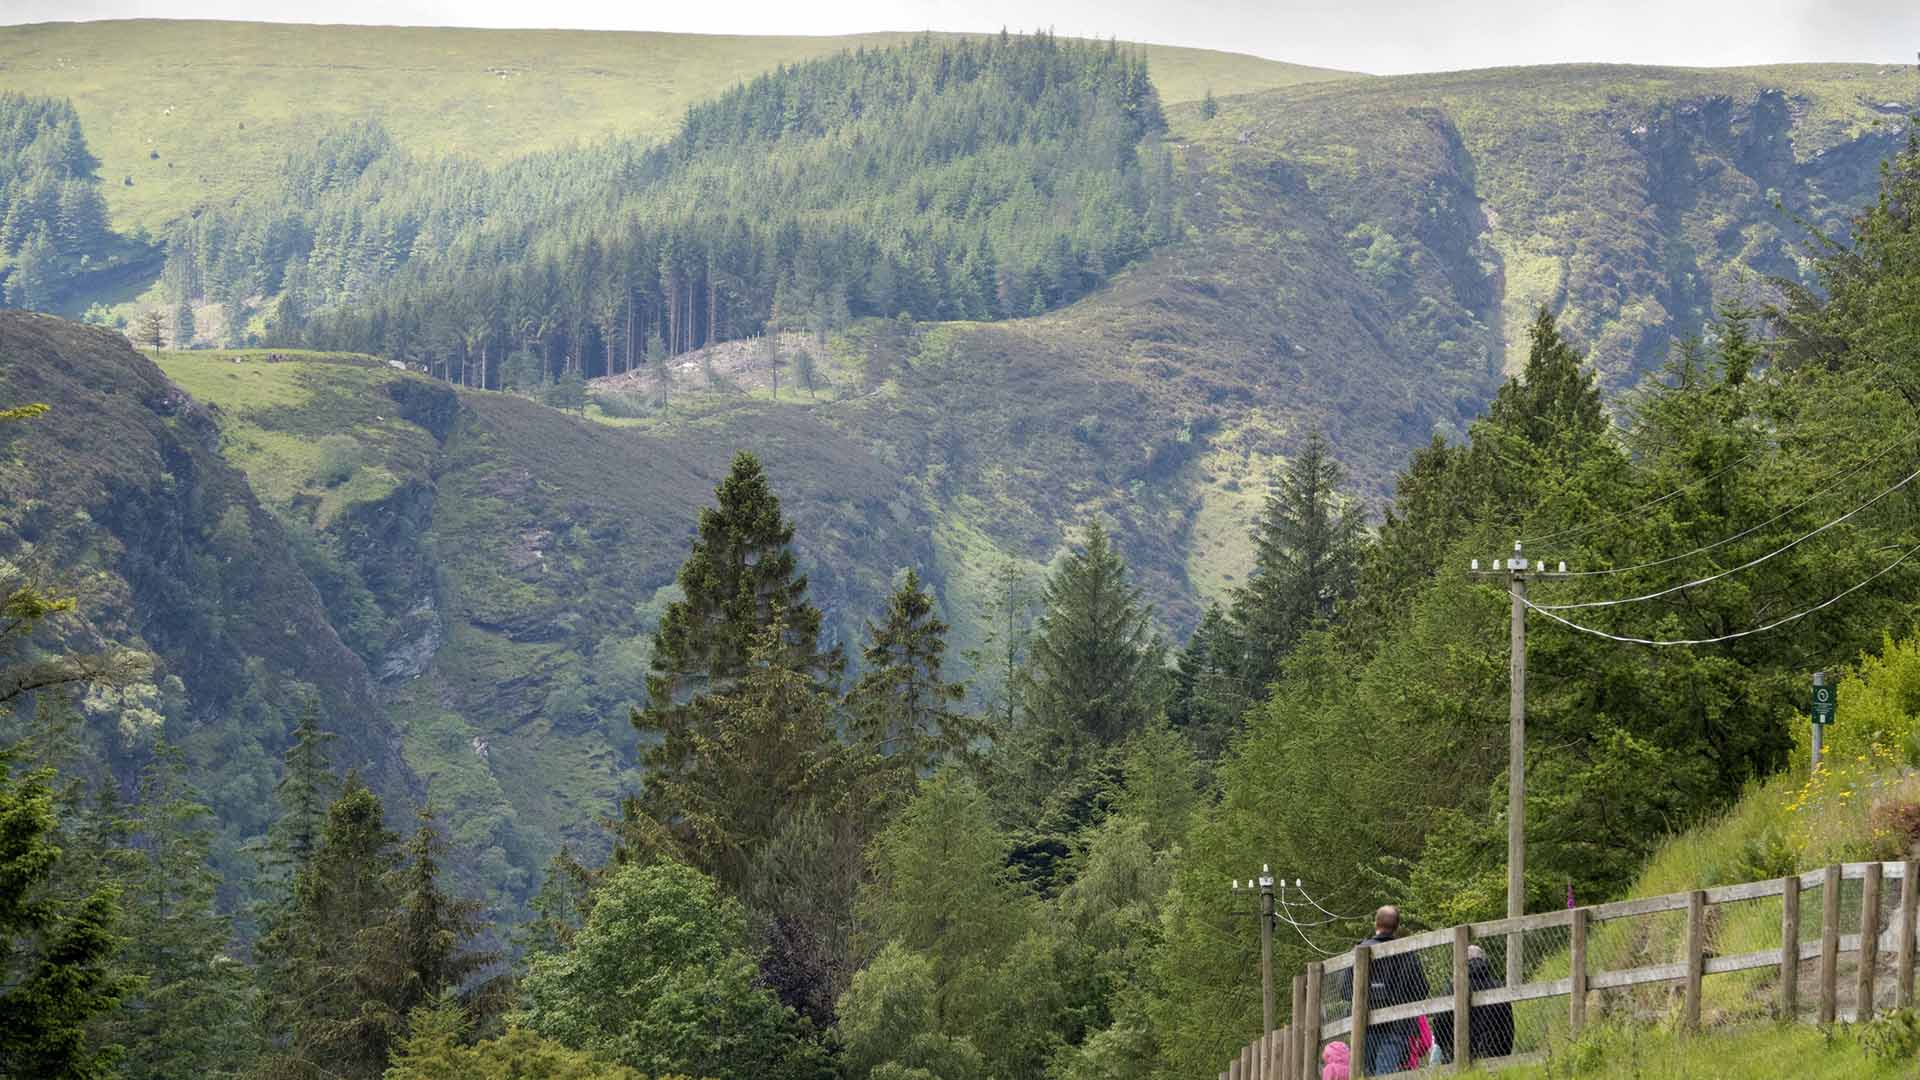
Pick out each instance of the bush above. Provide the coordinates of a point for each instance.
(1878, 708)
(622, 404)
(339, 459)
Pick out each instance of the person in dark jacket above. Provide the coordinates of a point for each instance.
(1489, 1027)
(1394, 980)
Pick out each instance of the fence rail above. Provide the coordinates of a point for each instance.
(1636, 958)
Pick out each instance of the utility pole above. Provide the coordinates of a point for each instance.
(1265, 885)
(1517, 572)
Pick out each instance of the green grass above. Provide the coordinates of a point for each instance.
(1755, 1052)
(278, 412)
(224, 103)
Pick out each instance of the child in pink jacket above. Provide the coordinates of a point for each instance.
(1333, 1061)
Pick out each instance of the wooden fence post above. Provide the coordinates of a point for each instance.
(1294, 1054)
(1362, 981)
(1789, 947)
(1310, 1035)
(1903, 962)
(1577, 969)
(1696, 955)
(1462, 997)
(1869, 944)
(1283, 1053)
(1829, 943)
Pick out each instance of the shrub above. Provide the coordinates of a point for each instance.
(339, 459)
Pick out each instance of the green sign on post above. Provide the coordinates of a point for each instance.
(1823, 702)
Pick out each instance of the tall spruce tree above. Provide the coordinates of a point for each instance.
(743, 610)
(1210, 689)
(743, 762)
(1306, 554)
(902, 717)
(423, 947)
(312, 953)
(1095, 669)
(189, 1015)
(58, 975)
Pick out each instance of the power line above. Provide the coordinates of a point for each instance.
(1338, 918)
(1822, 493)
(1581, 530)
(1829, 602)
(1749, 564)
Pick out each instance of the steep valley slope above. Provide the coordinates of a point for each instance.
(1356, 256)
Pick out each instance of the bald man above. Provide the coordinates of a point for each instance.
(1395, 980)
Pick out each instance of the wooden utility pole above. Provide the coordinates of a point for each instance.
(1517, 573)
(1265, 885)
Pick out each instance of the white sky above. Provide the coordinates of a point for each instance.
(1382, 36)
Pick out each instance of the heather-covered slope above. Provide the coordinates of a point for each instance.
(119, 495)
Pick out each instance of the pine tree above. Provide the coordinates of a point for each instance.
(31, 285)
(312, 953)
(182, 325)
(58, 972)
(739, 578)
(1555, 398)
(1209, 688)
(305, 790)
(150, 329)
(902, 713)
(189, 1015)
(1095, 670)
(422, 948)
(1306, 558)
(1209, 108)
(732, 766)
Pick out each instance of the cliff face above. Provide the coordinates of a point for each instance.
(119, 494)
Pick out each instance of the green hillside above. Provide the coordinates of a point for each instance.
(500, 567)
(121, 497)
(223, 104)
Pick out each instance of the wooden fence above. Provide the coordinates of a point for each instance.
(1866, 914)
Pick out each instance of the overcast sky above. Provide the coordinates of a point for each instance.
(1383, 36)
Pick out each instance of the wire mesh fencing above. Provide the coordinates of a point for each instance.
(1831, 944)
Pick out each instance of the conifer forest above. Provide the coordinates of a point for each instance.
(669, 557)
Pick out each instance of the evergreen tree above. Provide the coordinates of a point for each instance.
(1210, 689)
(182, 325)
(58, 976)
(735, 765)
(305, 791)
(739, 578)
(1306, 557)
(1095, 671)
(743, 611)
(1555, 398)
(189, 1015)
(313, 954)
(1209, 108)
(32, 282)
(422, 949)
(150, 329)
(902, 711)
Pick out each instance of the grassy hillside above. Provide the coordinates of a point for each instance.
(1630, 200)
(1750, 1053)
(499, 566)
(223, 104)
(118, 496)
